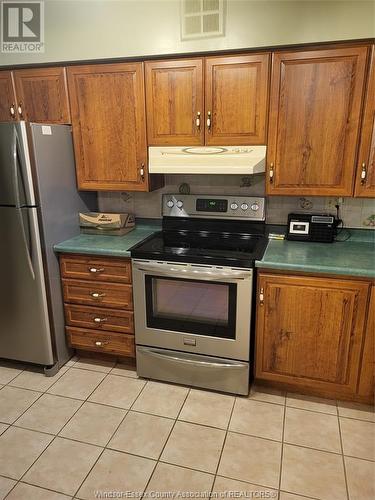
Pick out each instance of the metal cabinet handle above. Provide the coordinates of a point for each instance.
(100, 320)
(96, 295)
(209, 121)
(198, 120)
(261, 297)
(12, 110)
(363, 173)
(96, 270)
(272, 171)
(100, 343)
(142, 172)
(19, 109)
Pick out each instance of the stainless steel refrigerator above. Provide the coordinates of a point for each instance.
(39, 205)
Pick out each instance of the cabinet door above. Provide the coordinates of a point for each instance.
(236, 99)
(315, 107)
(174, 98)
(7, 97)
(365, 181)
(366, 384)
(310, 331)
(109, 127)
(42, 95)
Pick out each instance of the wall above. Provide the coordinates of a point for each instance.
(92, 29)
(356, 213)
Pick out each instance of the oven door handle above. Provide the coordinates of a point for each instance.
(192, 362)
(198, 275)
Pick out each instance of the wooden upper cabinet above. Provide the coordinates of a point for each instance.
(7, 97)
(310, 332)
(236, 99)
(315, 109)
(42, 95)
(365, 180)
(175, 104)
(109, 126)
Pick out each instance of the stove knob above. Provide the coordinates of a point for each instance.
(244, 206)
(255, 207)
(180, 204)
(234, 206)
(170, 204)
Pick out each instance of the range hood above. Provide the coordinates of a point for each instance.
(245, 160)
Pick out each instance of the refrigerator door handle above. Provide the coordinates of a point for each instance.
(19, 169)
(26, 237)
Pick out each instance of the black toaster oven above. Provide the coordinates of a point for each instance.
(312, 227)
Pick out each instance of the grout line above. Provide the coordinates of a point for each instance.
(282, 448)
(342, 454)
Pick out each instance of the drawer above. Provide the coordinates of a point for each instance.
(115, 295)
(96, 268)
(99, 318)
(98, 341)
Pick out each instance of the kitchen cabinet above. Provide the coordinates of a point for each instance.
(42, 95)
(109, 126)
(365, 180)
(7, 97)
(310, 333)
(98, 303)
(315, 111)
(230, 108)
(366, 383)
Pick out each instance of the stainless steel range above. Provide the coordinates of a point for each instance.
(193, 287)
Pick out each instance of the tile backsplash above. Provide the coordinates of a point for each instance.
(356, 212)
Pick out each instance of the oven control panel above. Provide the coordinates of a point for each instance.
(228, 207)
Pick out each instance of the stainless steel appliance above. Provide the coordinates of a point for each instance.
(193, 287)
(39, 207)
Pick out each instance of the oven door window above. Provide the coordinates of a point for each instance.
(192, 306)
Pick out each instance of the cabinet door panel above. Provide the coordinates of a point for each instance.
(366, 384)
(236, 97)
(7, 97)
(42, 95)
(310, 331)
(366, 155)
(109, 129)
(174, 95)
(315, 107)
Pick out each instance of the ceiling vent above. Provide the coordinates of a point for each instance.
(202, 19)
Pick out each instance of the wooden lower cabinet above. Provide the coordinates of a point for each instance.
(98, 302)
(310, 334)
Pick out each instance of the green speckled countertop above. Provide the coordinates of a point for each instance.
(115, 246)
(354, 257)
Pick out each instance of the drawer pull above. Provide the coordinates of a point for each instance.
(99, 343)
(100, 320)
(96, 270)
(96, 295)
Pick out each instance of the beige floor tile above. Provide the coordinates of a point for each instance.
(358, 438)
(169, 479)
(142, 434)
(63, 466)
(71, 361)
(356, 410)
(49, 414)
(14, 401)
(258, 419)
(36, 380)
(3, 428)
(117, 471)
(19, 448)
(207, 408)
(94, 424)
(97, 365)
(160, 399)
(125, 369)
(267, 394)
(251, 459)
(6, 485)
(291, 496)
(195, 446)
(312, 429)
(313, 473)
(311, 403)
(360, 475)
(28, 492)
(117, 391)
(76, 383)
(231, 488)
(8, 373)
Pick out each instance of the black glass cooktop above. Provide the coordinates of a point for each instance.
(224, 243)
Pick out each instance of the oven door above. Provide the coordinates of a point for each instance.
(194, 308)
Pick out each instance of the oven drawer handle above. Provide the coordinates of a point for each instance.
(206, 364)
(221, 277)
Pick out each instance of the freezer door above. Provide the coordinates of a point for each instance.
(24, 322)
